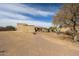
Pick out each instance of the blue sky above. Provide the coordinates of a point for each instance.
(38, 14)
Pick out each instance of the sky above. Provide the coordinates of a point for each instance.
(37, 14)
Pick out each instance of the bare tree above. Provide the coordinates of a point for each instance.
(68, 15)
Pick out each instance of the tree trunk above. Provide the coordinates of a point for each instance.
(74, 32)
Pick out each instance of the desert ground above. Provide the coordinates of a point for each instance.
(13, 43)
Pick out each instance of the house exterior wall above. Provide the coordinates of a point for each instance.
(64, 29)
(25, 28)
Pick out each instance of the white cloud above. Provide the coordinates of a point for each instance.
(25, 9)
(4, 14)
(13, 22)
(10, 15)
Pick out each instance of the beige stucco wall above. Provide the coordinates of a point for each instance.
(65, 29)
(25, 28)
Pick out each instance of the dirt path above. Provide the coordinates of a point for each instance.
(19, 43)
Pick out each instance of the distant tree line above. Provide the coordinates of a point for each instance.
(7, 28)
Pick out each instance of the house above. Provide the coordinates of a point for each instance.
(68, 28)
(25, 28)
(64, 29)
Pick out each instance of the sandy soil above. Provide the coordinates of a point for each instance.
(41, 44)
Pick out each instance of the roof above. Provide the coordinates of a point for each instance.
(24, 24)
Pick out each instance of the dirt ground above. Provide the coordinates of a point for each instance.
(41, 44)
